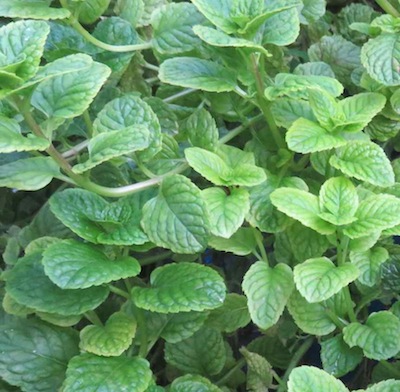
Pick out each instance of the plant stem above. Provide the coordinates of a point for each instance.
(366, 300)
(118, 291)
(179, 95)
(262, 249)
(155, 258)
(142, 325)
(238, 130)
(75, 150)
(295, 360)
(111, 48)
(335, 319)
(394, 371)
(88, 123)
(388, 8)
(92, 316)
(230, 373)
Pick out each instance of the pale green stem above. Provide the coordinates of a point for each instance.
(92, 316)
(75, 150)
(179, 95)
(388, 8)
(118, 291)
(231, 372)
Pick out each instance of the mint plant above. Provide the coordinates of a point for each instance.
(199, 196)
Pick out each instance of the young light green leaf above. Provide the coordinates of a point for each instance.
(259, 375)
(193, 383)
(29, 285)
(88, 10)
(375, 213)
(90, 373)
(365, 161)
(338, 201)
(378, 337)
(242, 243)
(182, 287)
(34, 355)
(22, 45)
(317, 68)
(172, 28)
(109, 145)
(177, 218)
(385, 386)
(29, 174)
(267, 290)
(226, 212)
(202, 130)
(380, 56)
(283, 28)
(59, 319)
(73, 265)
(203, 353)
(198, 74)
(369, 263)
(302, 206)
(232, 315)
(38, 9)
(69, 95)
(311, 379)
(306, 136)
(218, 38)
(338, 358)
(324, 107)
(319, 279)
(286, 111)
(11, 138)
(95, 220)
(111, 340)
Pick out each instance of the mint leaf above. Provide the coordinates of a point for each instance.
(319, 279)
(338, 358)
(89, 373)
(282, 29)
(369, 263)
(338, 201)
(377, 337)
(365, 161)
(74, 265)
(259, 375)
(226, 211)
(242, 243)
(203, 353)
(89, 10)
(181, 287)
(11, 138)
(172, 28)
(177, 217)
(384, 386)
(267, 290)
(38, 9)
(29, 174)
(69, 95)
(286, 111)
(302, 206)
(309, 379)
(198, 74)
(193, 383)
(29, 285)
(112, 339)
(34, 355)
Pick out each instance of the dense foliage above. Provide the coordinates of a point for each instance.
(217, 195)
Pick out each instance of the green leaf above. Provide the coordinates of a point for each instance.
(242, 243)
(11, 138)
(34, 355)
(126, 112)
(182, 287)
(89, 373)
(338, 201)
(232, 315)
(317, 68)
(286, 111)
(193, 383)
(378, 337)
(259, 375)
(202, 130)
(365, 161)
(375, 213)
(111, 340)
(28, 285)
(319, 279)
(385, 386)
(172, 28)
(69, 95)
(218, 38)
(313, 10)
(198, 74)
(203, 353)
(58, 319)
(369, 263)
(109, 145)
(282, 29)
(380, 56)
(226, 211)
(302, 206)
(324, 107)
(312, 318)
(95, 220)
(306, 136)
(338, 358)
(267, 290)
(74, 265)
(177, 218)
(32, 9)
(88, 10)
(310, 379)
(22, 46)
(29, 174)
